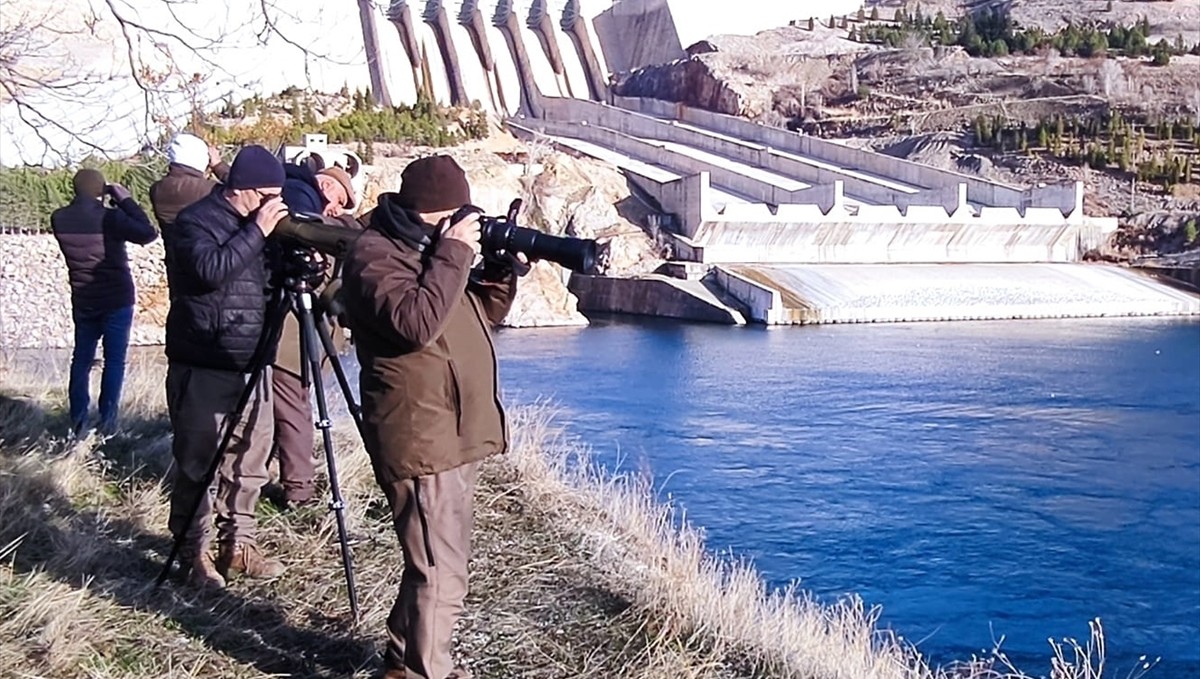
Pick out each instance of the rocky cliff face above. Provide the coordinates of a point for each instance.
(754, 77)
(690, 81)
(562, 195)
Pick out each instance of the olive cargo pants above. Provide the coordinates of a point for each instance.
(198, 401)
(294, 433)
(433, 519)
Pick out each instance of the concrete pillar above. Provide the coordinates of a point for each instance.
(379, 87)
(435, 16)
(401, 17)
(506, 20)
(576, 26)
(471, 18)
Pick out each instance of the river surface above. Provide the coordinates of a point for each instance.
(976, 480)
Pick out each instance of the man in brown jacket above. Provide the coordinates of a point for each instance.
(421, 319)
(186, 182)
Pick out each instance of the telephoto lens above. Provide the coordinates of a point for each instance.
(576, 254)
(503, 234)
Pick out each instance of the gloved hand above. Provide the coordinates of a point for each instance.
(118, 192)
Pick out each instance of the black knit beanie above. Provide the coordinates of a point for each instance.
(88, 183)
(433, 184)
(255, 167)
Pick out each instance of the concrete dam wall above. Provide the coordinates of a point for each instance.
(789, 228)
(506, 55)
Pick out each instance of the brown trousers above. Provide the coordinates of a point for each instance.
(293, 436)
(433, 519)
(198, 403)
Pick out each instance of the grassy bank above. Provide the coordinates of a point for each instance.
(574, 574)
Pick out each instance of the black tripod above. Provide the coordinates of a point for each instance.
(302, 272)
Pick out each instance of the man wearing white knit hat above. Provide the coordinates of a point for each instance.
(186, 182)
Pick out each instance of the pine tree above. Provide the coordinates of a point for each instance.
(874, 14)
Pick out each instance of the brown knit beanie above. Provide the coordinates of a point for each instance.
(433, 184)
(88, 183)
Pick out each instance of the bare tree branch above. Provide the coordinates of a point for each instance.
(169, 49)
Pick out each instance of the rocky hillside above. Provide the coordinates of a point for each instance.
(920, 95)
(760, 77)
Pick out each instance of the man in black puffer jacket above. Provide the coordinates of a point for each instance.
(218, 308)
(93, 238)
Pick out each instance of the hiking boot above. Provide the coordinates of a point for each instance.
(201, 571)
(241, 558)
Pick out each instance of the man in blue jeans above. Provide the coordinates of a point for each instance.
(92, 237)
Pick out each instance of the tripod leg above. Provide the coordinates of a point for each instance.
(308, 342)
(271, 332)
(339, 371)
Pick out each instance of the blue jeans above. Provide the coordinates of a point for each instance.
(90, 327)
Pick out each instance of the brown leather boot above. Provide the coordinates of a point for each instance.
(240, 558)
(201, 571)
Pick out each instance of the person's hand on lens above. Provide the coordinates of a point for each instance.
(272, 211)
(119, 193)
(465, 230)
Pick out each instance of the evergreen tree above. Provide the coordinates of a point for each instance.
(1160, 54)
(874, 14)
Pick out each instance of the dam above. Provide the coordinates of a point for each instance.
(766, 225)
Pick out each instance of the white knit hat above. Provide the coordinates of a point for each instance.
(190, 150)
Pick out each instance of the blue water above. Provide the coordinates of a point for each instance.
(973, 479)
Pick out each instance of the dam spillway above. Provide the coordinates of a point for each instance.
(850, 293)
(784, 227)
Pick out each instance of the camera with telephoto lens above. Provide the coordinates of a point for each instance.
(500, 236)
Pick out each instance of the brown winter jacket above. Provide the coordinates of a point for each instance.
(421, 323)
(180, 188)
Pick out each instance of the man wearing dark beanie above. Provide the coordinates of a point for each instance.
(92, 238)
(218, 273)
(422, 318)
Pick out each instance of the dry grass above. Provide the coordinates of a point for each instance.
(576, 574)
